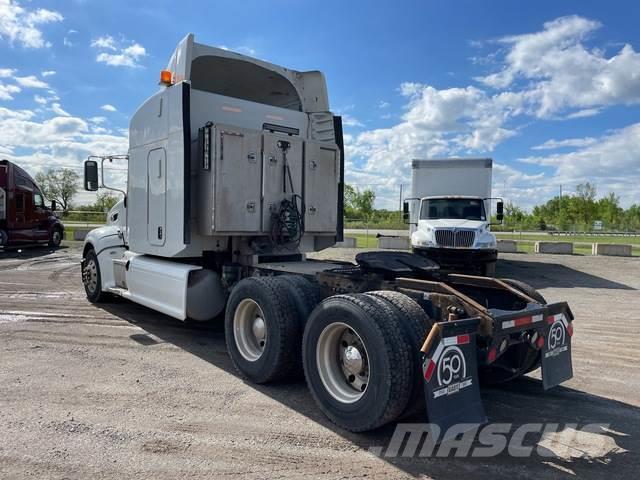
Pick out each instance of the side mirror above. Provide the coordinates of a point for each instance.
(54, 206)
(91, 175)
(500, 211)
(405, 212)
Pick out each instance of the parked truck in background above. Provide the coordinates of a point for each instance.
(450, 214)
(235, 173)
(24, 216)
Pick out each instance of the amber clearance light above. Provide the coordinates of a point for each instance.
(166, 78)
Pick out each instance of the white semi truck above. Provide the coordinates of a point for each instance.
(450, 214)
(235, 172)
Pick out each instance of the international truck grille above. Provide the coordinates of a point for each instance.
(460, 238)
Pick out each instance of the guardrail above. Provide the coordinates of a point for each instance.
(593, 234)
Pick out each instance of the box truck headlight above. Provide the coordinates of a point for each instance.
(490, 244)
(426, 243)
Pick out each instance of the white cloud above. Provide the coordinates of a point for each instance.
(587, 112)
(556, 72)
(60, 141)
(66, 41)
(116, 55)
(57, 109)
(245, 50)
(109, 108)
(98, 119)
(21, 25)
(568, 142)
(40, 99)
(107, 43)
(6, 113)
(31, 82)
(350, 121)
(7, 91)
(383, 104)
(48, 73)
(611, 161)
(7, 72)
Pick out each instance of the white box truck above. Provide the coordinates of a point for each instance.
(450, 214)
(235, 173)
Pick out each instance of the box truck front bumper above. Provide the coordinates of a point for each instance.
(458, 257)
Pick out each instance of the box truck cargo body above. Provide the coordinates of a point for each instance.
(450, 213)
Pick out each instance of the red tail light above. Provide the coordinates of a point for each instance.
(570, 329)
(491, 356)
(540, 342)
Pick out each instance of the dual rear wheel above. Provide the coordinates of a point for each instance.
(359, 352)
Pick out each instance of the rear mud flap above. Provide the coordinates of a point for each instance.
(450, 373)
(556, 352)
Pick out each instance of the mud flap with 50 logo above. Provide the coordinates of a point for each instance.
(556, 352)
(450, 373)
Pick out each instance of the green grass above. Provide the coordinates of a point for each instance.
(363, 240)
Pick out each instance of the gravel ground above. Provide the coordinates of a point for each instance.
(119, 391)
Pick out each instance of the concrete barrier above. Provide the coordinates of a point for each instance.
(563, 248)
(611, 249)
(79, 235)
(394, 243)
(347, 242)
(507, 246)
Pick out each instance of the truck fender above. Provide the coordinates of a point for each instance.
(108, 244)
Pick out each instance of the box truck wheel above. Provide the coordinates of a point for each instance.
(55, 237)
(261, 329)
(526, 289)
(357, 362)
(489, 269)
(415, 323)
(91, 277)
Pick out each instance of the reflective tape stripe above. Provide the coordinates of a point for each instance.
(519, 322)
(428, 372)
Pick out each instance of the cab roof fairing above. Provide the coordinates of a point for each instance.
(310, 86)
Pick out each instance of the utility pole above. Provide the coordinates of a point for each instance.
(560, 206)
(400, 203)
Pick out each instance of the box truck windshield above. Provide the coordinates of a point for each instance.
(452, 208)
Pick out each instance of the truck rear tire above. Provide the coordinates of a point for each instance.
(416, 324)
(91, 277)
(305, 294)
(357, 362)
(262, 330)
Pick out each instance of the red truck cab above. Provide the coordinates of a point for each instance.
(24, 217)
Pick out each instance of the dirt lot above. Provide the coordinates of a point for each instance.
(119, 391)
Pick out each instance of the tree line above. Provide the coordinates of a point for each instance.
(577, 212)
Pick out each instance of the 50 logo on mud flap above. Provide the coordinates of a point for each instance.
(452, 372)
(452, 366)
(557, 339)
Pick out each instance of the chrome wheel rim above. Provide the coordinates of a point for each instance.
(56, 237)
(250, 330)
(343, 362)
(90, 275)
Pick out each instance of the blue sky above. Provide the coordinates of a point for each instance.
(550, 90)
